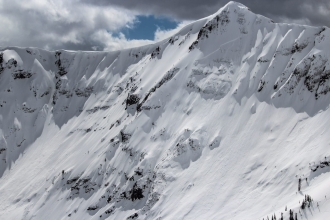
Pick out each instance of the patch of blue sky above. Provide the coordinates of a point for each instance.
(146, 26)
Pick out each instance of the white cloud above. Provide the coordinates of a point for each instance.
(121, 42)
(54, 24)
(302, 21)
(72, 25)
(117, 43)
(163, 34)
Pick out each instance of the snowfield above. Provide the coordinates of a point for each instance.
(227, 119)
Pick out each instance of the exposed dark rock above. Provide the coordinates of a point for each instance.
(28, 110)
(185, 38)
(82, 183)
(168, 76)
(138, 172)
(125, 136)
(61, 72)
(155, 53)
(321, 165)
(193, 45)
(132, 99)
(221, 19)
(150, 107)
(45, 93)
(1, 62)
(136, 193)
(109, 211)
(173, 39)
(58, 63)
(316, 77)
(91, 208)
(134, 216)
(261, 85)
(295, 48)
(322, 30)
(70, 181)
(262, 60)
(1, 58)
(85, 92)
(21, 74)
(12, 62)
(97, 108)
(20, 144)
(316, 81)
(298, 74)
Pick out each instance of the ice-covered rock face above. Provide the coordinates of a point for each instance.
(227, 119)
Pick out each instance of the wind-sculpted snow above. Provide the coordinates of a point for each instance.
(227, 119)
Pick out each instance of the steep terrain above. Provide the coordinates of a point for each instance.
(227, 119)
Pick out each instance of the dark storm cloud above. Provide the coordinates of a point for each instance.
(315, 12)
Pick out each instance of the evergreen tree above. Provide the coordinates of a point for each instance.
(291, 215)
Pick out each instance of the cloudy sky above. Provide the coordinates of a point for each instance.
(118, 24)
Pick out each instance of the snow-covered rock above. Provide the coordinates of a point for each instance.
(227, 119)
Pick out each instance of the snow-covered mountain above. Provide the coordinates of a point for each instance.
(227, 119)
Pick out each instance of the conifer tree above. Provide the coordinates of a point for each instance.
(291, 215)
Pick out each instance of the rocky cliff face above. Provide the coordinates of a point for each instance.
(227, 119)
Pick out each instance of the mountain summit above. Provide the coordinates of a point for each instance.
(227, 119)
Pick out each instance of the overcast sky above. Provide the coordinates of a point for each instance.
(117, 24)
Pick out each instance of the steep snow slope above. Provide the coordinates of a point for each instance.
(224, 120)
